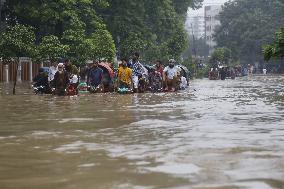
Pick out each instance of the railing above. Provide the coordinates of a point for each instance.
(27, 70)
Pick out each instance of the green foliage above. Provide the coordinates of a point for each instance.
(55, 17)
(17, 41)
(133, 43)
(181, 6)
(195, 72)
(75, 39)
(102, 45)
(177, 44)
(202, 73)
(197, 46)
(188, 63)
(98, 45)
(276, 48)
(51, 48)
(154, 28)
(247, 25)
(220, 55)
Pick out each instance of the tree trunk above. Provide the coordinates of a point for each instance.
(15, 78)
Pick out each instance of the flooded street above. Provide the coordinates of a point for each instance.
(215, 135)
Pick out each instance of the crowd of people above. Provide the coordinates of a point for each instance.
(230, 72)
(131, 76)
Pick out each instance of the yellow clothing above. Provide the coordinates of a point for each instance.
(124, 75)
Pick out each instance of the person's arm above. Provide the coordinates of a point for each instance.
(162, 81)
(131, 81)
(67, 79)
(53, 83)
(141, 69)
(101, 77)
(46, 82)
(88, 76)
(50, 74)
(118, 79)
(164, 74)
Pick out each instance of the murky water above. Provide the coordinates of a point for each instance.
(224, 134)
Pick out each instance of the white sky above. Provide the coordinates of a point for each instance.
(201, 10)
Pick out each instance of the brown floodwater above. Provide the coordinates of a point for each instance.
(215, 135)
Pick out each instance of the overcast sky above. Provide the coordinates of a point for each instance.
(206, 2)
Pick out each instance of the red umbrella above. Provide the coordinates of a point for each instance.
(108, 68)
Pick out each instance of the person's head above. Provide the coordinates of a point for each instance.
(172, 63)
(136, 56)
(67, 62)
(68, 65)
(60, 67)
(159, 63)
(54, 63)
(95, 63)
(124, 62)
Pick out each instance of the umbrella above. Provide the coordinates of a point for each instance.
(108, 68)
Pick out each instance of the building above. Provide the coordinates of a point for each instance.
(195, 26)
(2, 16)
(211, 14)
(198, 27)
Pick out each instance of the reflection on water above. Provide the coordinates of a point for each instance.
(223, 134)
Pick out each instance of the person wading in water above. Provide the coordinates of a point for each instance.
(171, 73)
(124, 76)
(61, 81)
(95, 78)
(137, 71)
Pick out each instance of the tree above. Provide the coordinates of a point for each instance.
(276, 48)
(54, 17)
(181, 6)
(155, 28)
(247, 25)
(78, 46)
(71, 21)
(102, 45)
(17, 41)
(97, 45)
(51, 48)
(220, 55)
(197, 46)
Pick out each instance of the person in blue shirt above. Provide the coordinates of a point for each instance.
(95, 77)
(40, 82)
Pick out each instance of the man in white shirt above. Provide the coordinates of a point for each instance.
(171, 73)
(52, 70)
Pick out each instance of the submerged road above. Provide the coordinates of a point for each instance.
(222, 135)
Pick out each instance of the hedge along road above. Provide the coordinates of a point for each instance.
(224, 134)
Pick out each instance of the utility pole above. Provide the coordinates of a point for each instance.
(194, 50)
(194, 47)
